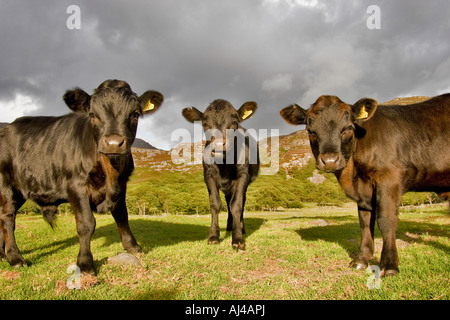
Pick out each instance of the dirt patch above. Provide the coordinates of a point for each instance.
(86, 281)
(11, 275)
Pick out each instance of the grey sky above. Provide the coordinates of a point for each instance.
(274, 52)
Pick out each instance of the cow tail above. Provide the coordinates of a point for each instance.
(50, 214)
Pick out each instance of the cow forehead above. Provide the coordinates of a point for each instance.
(329, 108)
(220, 110)
(114, 102)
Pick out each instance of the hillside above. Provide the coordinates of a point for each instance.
(406, 100)
(294, 151)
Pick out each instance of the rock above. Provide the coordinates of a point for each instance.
(123, 259)
(320, 223)
(317, 178)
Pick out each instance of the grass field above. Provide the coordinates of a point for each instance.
(289, 255)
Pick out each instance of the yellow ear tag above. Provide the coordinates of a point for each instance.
(149, 106)
(247, 114)
(363, 113)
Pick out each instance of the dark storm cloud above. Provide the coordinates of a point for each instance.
(272, 52)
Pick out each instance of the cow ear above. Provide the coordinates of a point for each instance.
(294, 114)
(364, 109)
(150, 101)
(192, 114)
(247, 110)
(77, 100)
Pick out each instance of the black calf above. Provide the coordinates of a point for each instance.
(83, 158)
(230, 163)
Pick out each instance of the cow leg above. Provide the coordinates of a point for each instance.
(230, 216)
(85, 228)
(366, 248)
(8, 245)
(237, 211)
(388, 200)
(242, 213)
(120, 214)
(214, 203)
(2, 242)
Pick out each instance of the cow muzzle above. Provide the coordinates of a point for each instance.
(113, 144)
(330, 162)
(218, 147)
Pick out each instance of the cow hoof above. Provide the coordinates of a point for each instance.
(88, 270)
(135, 249)
(389, 273)
(239, 246)
(358, 265)
(15, 260)
(213, 241)
(86, 265)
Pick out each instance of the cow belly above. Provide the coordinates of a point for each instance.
(436, 182)
(47, 198)
(42, 191)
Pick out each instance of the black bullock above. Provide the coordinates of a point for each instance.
(230, 163)
(83, 158)
(377, 154)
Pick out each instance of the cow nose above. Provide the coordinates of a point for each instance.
(113, 144)
(329, 161)
(220, 144)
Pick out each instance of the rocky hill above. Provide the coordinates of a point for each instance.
(294, 151)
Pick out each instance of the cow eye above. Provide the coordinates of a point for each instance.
(94, 118)
(347, 130)
(312, 134)
(135, 115)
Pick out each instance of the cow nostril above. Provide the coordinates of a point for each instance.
(113, 144)
(329, 159)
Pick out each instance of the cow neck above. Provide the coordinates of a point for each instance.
(346, 178)
(111, 178)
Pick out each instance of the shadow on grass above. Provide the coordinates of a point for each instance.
(149, 234)
(348, 235)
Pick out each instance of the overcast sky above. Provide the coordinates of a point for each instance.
(274, 52)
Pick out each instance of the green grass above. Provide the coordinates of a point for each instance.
(288, 256)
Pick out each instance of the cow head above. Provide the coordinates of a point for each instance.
(332, 127)
(219, 119)
(114, 111)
